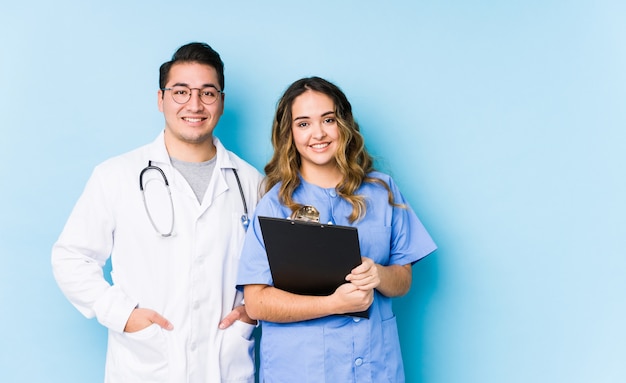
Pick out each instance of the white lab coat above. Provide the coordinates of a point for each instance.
(189, 278)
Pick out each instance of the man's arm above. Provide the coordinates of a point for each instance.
(80, 253)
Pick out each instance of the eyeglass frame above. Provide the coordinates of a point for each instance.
(190, 93)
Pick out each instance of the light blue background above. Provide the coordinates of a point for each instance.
(503, 122)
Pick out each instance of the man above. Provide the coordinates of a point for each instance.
(172, 217)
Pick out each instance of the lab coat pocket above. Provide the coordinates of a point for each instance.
(139, 356)
(237, 353)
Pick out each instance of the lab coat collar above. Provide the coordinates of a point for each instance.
(159, 156)
(224, 160)
(158, 153)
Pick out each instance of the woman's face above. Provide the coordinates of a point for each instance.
(315, 131)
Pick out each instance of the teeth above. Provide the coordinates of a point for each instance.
(320, 146)
(193, 119)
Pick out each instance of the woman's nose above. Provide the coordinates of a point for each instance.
(318, 131)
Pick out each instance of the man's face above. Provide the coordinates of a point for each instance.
(192, 122)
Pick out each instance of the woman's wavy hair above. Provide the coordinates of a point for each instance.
(353, 160)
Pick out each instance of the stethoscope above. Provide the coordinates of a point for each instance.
(245, 221)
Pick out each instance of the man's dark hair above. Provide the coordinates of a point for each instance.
(201, 53)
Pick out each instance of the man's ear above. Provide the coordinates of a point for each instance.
(160, 100)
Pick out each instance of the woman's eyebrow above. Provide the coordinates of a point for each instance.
(307, 117)
(321, 115)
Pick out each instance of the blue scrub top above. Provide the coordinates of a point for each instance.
(338, 348)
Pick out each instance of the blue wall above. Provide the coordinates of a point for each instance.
(503, 122)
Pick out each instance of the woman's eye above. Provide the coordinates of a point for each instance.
(303, 124)
(329, 120)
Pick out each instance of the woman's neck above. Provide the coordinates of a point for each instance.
(325, 177)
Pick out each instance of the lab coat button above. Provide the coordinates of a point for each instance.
(358, 362)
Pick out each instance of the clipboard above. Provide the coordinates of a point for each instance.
(310, 258)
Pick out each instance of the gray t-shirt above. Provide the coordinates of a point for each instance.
(197, 174)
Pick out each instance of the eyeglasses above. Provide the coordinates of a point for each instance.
(182, 94)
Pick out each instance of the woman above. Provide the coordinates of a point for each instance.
(320, 160)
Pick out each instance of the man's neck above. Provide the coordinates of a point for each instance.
(190, 151)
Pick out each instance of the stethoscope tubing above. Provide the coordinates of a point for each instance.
(245, 221)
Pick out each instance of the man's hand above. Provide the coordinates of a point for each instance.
(142, 318)
(238, 313)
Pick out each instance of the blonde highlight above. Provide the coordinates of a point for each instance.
(353, 160)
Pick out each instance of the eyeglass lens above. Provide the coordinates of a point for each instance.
(182, 94)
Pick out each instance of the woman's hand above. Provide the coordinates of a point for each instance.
(349, 298)
(365, 276)
(391, 281)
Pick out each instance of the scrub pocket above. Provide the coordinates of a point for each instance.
(293, 353)
(393, 354)
(237, 353)
(375, 243)
(138, 357)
